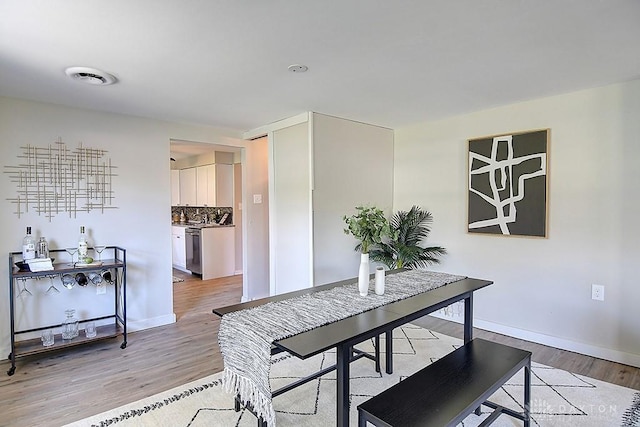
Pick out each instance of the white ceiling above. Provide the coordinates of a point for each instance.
(391, 63)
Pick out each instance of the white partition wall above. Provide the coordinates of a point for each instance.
(290, 209)
(320, 169)
(353, 165)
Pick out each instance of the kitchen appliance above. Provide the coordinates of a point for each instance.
(193, 250)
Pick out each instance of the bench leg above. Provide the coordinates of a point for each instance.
(527, 394)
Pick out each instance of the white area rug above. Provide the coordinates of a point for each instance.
(558, 398)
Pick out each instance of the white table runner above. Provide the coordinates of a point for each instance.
(246, 336)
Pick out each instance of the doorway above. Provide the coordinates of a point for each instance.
(225, 164)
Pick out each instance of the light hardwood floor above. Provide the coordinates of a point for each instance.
(55, 389)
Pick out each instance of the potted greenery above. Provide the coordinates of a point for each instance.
(403, 250)
(369, 226)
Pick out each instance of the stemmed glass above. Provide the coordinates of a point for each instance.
(24, 291)
(72, 252)
(52, 289)
(99, 249)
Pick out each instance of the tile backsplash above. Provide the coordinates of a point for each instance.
(197, 214)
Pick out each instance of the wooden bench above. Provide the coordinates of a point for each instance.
(447, 391)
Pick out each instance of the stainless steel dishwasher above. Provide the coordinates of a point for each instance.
(193, 250)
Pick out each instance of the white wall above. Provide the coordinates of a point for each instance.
(290, 214)
(542, 289)
(353, 165)
(141, 224)
(256, 219)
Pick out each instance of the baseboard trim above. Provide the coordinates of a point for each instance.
(140, 325)
(551, 341)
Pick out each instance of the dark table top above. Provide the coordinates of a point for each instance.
(367, 324)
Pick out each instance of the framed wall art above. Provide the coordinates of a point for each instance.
(508, 184)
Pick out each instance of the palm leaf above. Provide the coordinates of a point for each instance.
(408, 230)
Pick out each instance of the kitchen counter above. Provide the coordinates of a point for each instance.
(199, 225)
(214, 245)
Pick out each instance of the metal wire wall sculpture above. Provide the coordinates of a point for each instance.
(58, 180)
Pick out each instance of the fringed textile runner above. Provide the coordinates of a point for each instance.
(246, 336)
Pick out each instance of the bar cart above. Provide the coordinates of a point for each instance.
(115, 270)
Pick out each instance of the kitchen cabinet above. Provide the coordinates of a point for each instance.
(175, 187)
(208, 185)
(178, 249)
(188, 184)
(218, 252)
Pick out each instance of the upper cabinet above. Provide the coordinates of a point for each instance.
(209, 185)
(206, 185)
(188, 195)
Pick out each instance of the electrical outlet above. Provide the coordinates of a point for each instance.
(597, 292)
(101, 289)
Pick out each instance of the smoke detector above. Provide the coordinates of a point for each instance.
(90, 76)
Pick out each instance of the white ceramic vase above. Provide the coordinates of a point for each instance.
(380, 280)
(363, 275)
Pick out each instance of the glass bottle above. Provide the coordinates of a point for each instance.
(83, 245)
(28, 246)
(43, 248)
(69, 326)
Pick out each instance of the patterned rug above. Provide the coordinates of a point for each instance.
(559, 398)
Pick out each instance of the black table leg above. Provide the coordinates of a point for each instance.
(376, 341)
(527, 394)
(343, 352)
(388, 345)
(468, 318)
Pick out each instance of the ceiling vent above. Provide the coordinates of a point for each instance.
(297, 68)
(90, 76)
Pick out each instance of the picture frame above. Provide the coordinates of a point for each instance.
(508, 184)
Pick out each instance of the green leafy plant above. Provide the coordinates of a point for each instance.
(403, 250)
(368, 225)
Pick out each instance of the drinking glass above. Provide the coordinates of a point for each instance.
(72, 252)
(52, 289)
(48, 338)
(90, 329)
(99, 249)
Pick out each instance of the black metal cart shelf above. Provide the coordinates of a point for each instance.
(118, 326)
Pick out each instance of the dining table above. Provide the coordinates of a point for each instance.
(343, 334)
